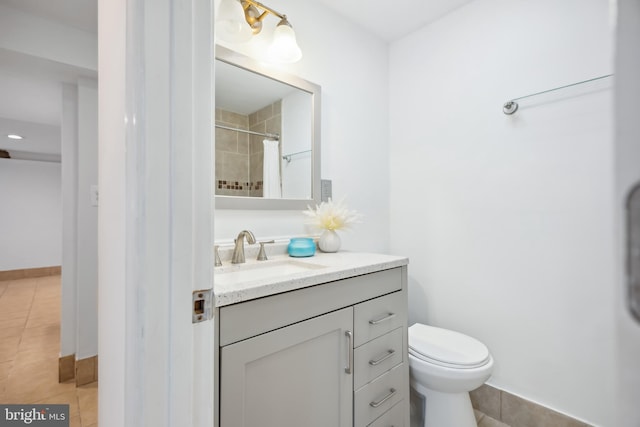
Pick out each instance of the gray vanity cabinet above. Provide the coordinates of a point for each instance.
(333, 354)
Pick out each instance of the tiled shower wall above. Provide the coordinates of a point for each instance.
(239, 156)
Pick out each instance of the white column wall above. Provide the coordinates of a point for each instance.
(87, 224)
(69, 151)
(79, 317)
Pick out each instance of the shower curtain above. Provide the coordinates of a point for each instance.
(271, 170)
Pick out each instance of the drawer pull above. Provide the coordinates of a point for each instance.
(382, 358)
(392, 391)
(349, 368)
(382, 319)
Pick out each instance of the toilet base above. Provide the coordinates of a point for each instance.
(446, 409)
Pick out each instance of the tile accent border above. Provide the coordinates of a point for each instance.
(86, 370)
(27, 273)
(516, 411)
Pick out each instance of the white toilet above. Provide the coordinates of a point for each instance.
(445, 366)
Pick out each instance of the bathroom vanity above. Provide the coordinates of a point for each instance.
(318, 341)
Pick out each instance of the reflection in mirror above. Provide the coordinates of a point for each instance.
(267, 140)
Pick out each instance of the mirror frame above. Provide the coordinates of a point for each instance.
(251, 203)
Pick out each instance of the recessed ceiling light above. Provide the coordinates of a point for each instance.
(14, 136)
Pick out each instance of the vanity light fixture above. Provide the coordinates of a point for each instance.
(14, 136)
(239, 20)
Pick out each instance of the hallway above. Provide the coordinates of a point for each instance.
(29, 350)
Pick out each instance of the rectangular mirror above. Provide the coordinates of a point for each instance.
(267, 140)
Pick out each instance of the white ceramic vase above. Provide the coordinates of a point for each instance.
(329, 241)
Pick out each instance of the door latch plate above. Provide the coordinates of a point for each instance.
(202, 307)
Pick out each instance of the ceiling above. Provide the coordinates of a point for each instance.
(391, 20)
(80, 14)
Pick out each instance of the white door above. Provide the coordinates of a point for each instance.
(155, 213)
(291, 377)
(627, 147)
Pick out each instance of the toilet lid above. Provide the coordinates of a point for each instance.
(446, 347)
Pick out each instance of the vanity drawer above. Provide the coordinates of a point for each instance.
(377, 356)
(251, 318)
(394, 417)
(374, 399)
(379, 316)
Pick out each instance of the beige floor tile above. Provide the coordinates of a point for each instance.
(52, 329)
(14, 315)
(47, 293)
(31, 282)
(88, 398)
(26, 368)
(11, 332)
(10, 325)
(30, 387)
(490, 422)
(38, 347)
(75, 421)
(5, 368)
(49, 281)
(29, 341)
(42, 321)
(15, 304)
(51, 314)
(16, 322)
(19, 291)
(16, 290)
(46, 299)
(9, 348)
(69, 398)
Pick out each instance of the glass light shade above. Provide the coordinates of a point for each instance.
(231, 25)
(284, 47)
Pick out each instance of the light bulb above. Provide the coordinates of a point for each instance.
(231, 25)
(284, 47)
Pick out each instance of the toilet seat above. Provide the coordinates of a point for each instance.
(446, 348)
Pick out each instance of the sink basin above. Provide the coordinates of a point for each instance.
(262, 270)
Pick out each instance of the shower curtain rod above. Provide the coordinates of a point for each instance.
(511, 106)
(274, 136)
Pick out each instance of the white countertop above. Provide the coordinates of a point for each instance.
(324, 267)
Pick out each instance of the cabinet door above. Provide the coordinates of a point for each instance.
(294, 376)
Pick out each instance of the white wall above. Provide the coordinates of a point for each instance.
(30, 214)
(351, 67)
(508, 220)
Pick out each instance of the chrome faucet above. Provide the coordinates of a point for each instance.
(238, 251)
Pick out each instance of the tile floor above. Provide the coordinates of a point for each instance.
(486, 421)
(29, 350)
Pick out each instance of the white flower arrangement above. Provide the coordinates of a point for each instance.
(332, 216)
